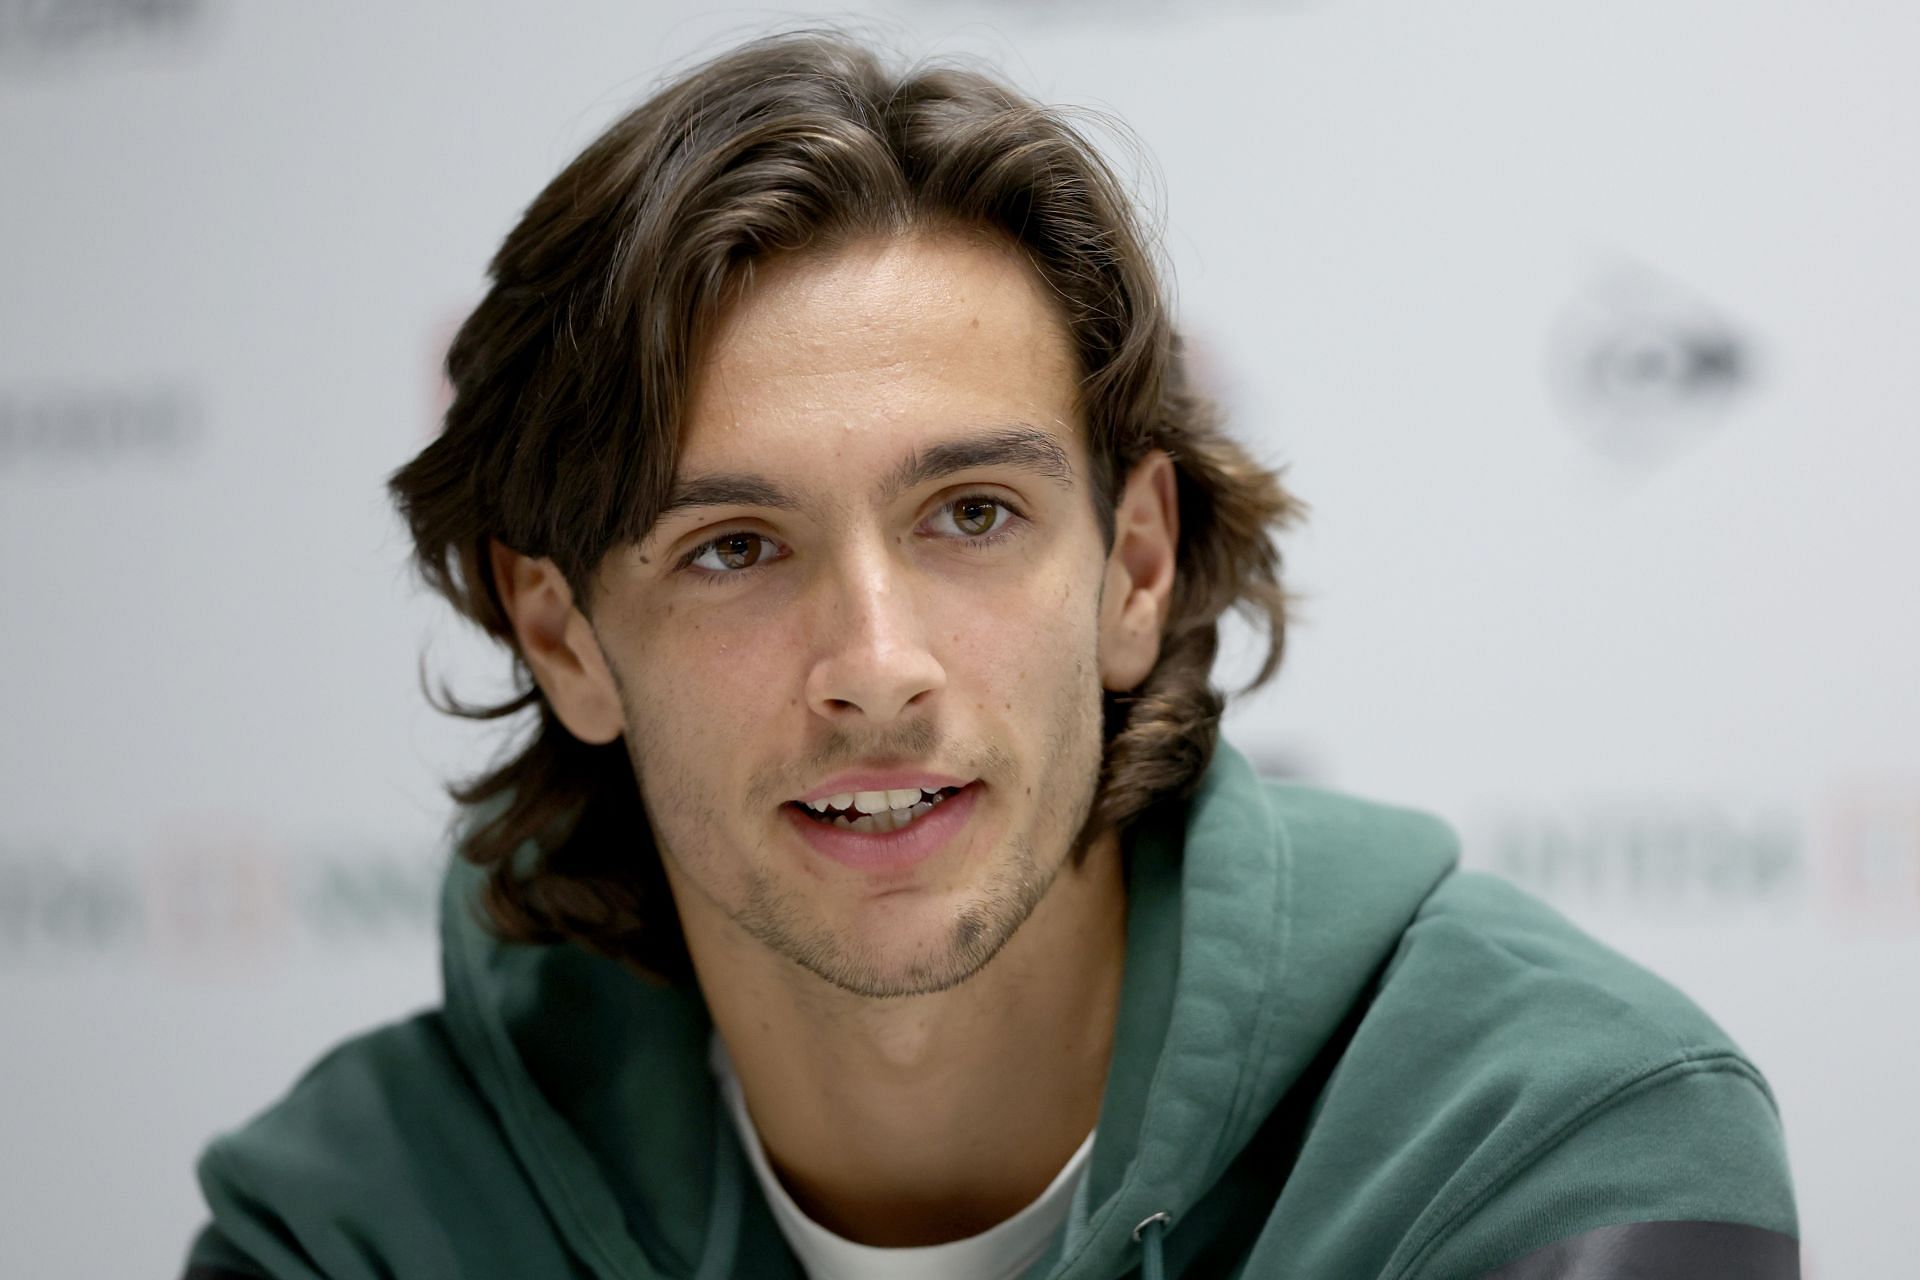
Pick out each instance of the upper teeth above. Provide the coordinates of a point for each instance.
(874, 801)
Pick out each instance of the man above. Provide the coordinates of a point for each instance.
(873, 897)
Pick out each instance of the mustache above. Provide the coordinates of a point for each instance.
(918, 741)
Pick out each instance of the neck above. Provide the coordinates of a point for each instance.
(923, 1119)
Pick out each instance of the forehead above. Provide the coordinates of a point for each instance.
(878, 346)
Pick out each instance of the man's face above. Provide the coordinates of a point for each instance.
(885, 574)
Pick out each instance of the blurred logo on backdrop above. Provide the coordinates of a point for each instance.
(1645, 367)
(211, 897)
(217, 899)
(1854, 861)
(92, 425)
(1684, 854)
(1873, 842)
(31, 30)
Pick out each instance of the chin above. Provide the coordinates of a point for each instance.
(897, 959)
(882, 978)
(908, 945)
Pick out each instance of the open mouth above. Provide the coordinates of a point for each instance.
(874, 812)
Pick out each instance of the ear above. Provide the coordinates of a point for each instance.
(559, 646)
(1139, 581)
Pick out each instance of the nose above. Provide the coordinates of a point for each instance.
(872, 660)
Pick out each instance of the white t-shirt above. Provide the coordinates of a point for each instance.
(1001, 1252)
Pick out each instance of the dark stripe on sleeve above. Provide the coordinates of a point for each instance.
(1662, 1251)
(201, 1271)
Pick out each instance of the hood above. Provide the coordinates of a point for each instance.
(1259, 914)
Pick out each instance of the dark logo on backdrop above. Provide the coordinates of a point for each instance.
(1644, 366)
(34, 29)
(81, 425)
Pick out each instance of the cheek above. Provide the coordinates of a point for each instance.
(719, 670)
(701, 697)
(1018, 648)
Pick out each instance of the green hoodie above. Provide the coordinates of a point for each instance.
(1336, 1055)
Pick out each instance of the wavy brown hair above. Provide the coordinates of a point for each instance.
(570, 376)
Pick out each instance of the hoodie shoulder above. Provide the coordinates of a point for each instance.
(1609, 1098)
(1349, 820)
(1348, 854)
(1544, 964)
(1516, 1083)
(382, 1159)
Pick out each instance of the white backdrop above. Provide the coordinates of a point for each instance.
(1587, 330)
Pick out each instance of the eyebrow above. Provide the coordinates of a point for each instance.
(1025, 447)
(1019, 445)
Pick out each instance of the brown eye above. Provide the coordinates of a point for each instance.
(738, 550)
(730, 553)
(975, 516)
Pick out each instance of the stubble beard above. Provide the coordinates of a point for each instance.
(981, 928)
(975, 936)
(779, 919)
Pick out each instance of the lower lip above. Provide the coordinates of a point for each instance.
(881, 852)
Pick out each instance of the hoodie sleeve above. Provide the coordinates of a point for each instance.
(383, 1160)
(1682, 1173)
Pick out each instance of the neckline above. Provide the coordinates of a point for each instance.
(1012, 1244)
